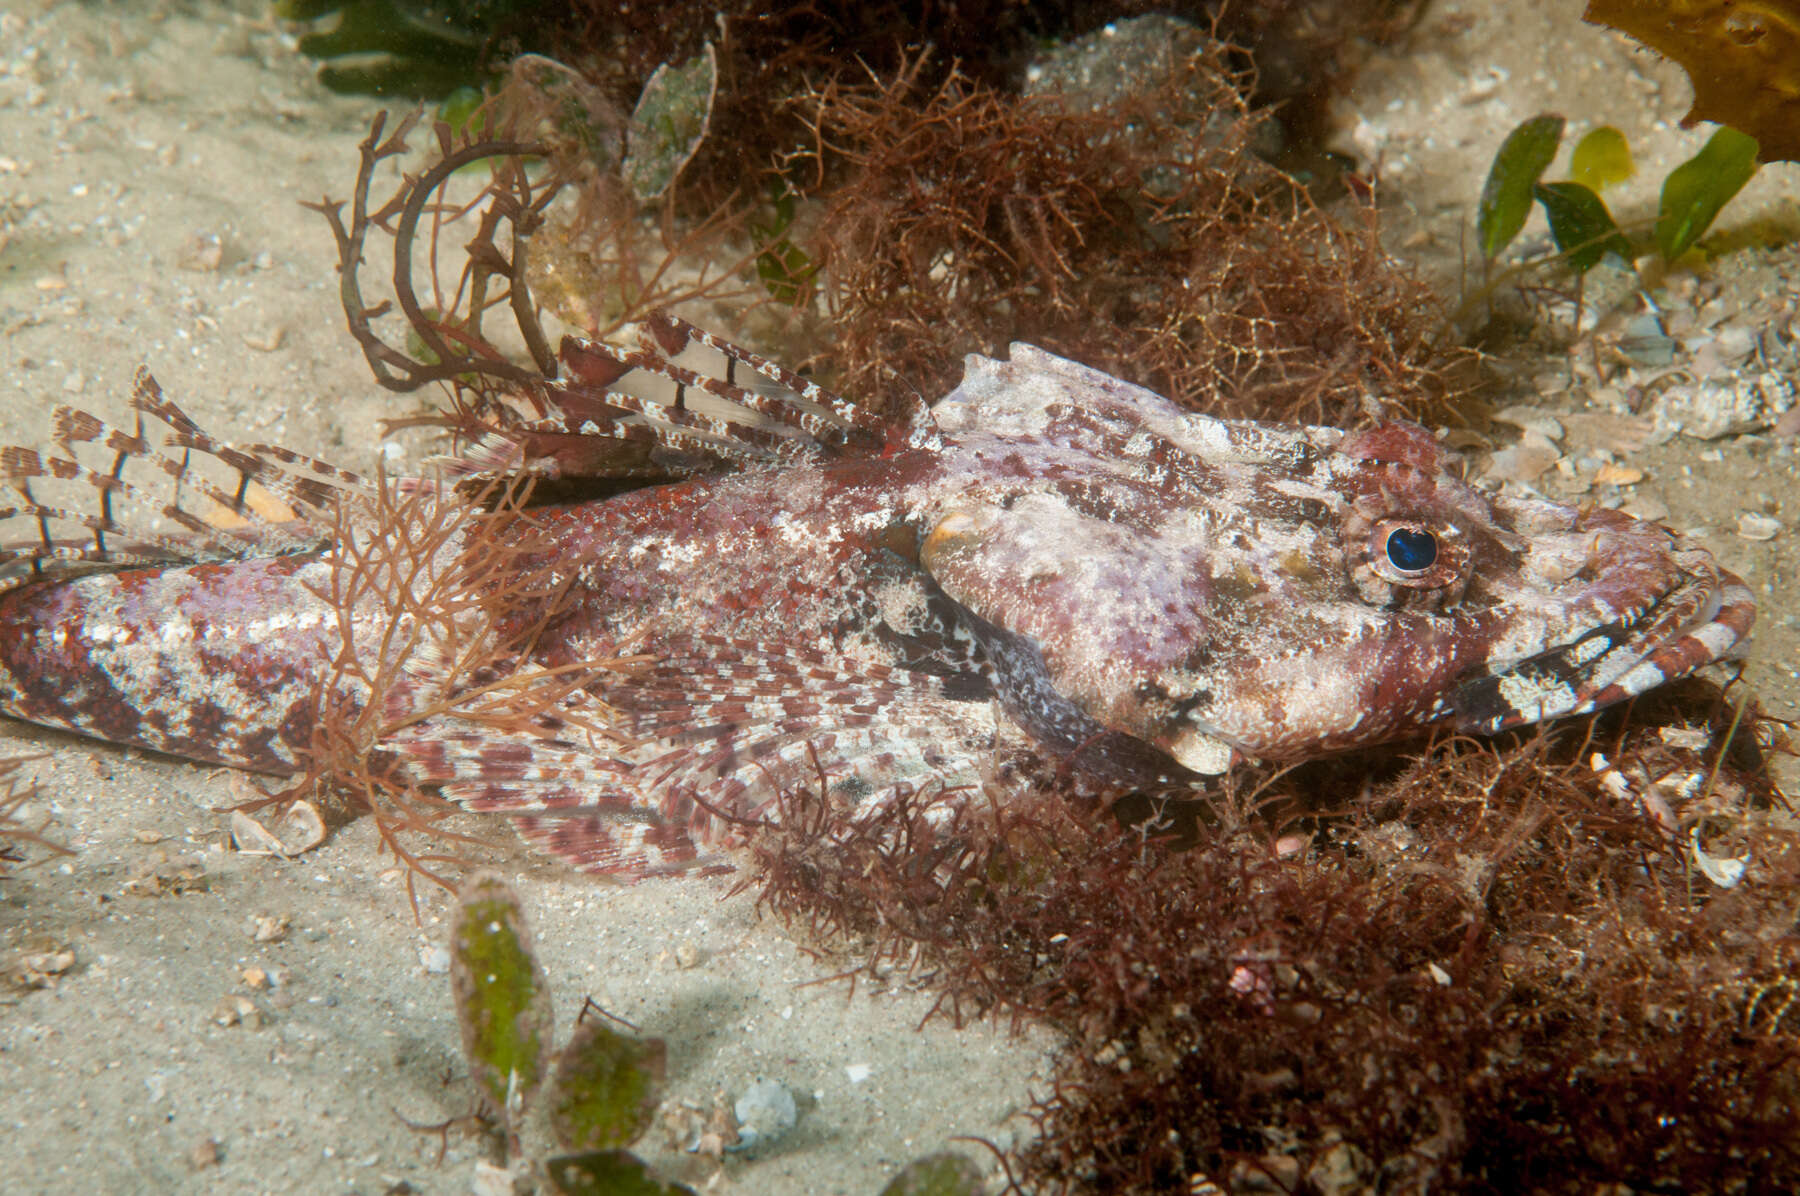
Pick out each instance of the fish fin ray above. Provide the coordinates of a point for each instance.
(107, 498)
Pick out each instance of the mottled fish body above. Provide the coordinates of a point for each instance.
(1052, 573)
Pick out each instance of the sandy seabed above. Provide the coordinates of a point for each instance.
(152, 164)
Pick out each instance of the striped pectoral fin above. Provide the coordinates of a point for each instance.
(715, 739)
(577, 801)
(748, 725)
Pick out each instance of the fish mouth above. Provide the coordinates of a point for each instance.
(1603, 660)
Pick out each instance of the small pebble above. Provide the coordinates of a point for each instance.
(203, 253)
(1618, 475)
(270, 928)
(1754, 526)
(764, 1112)
(206, 1153)
(238, 1010)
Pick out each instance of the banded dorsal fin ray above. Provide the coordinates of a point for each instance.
(595, 422)
(104, 498)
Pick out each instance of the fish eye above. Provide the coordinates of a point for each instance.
(1411, 550)
(1413, 558)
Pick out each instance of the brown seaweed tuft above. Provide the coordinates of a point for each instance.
(14, 833)
(908, 207)
(1499, 967)
(1145, 239)
(1305, 52)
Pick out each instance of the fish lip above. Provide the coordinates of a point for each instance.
(1698, 619)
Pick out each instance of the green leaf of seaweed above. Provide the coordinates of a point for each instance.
(392, 47)
(1506, 197)
(608, 1173)
(669, 123)
(1601, 158)
(947, 1174)
(785, 269)
(1583, 228)
(1695, 191)
(571, 113)
(502, 995)
(606, 1087)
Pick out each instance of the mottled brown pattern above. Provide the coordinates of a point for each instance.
(1050, 574)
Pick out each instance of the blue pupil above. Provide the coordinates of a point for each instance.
(1411, 551)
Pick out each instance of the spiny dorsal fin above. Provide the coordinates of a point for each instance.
(676, 420)
(106, 499)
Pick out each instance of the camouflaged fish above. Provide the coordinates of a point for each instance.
(1050, 573)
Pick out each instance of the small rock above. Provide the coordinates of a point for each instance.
(1339, 1170)
(1646, 507)
(294, 831)
(1531, 420)
(235, 1009)
(435, 960)
(270, 928)
(1724, 871)
(1754, 526)
(40, 969)
(1693, 739)
(1617, 475)
(1646, 343)
(206, 1153)
(490, 1180)
(765, 1111)
(1524, 461)
(169, 876)
(266, 342)
(1721, 407)
(203, 253)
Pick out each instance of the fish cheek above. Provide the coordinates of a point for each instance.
(1075, 649)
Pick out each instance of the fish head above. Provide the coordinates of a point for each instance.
(1222, 590)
